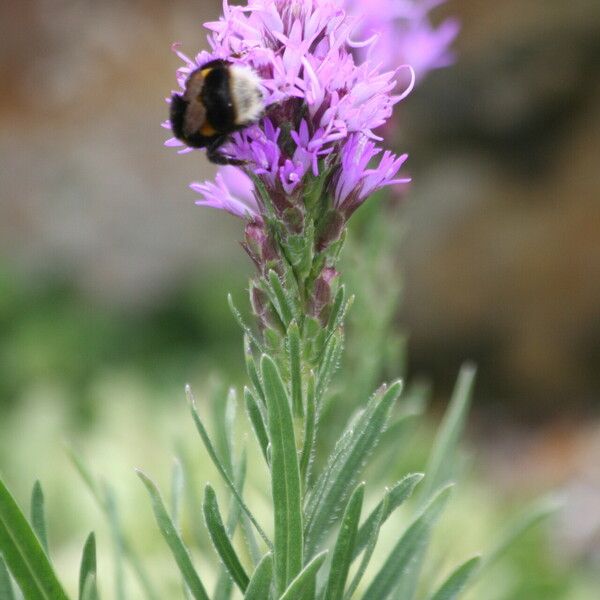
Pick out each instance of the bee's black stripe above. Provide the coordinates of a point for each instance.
(216, 97)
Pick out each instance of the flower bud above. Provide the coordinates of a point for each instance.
(332, 230)
(259, 300)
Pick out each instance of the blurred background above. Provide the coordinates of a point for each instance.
(112, 284)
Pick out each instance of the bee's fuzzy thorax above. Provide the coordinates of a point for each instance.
(246, 94)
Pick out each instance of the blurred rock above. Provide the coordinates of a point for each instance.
(503, 252)
(562, 457)
(86, 184)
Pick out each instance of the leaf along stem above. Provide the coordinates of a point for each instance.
(213, 455)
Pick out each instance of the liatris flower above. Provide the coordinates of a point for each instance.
(402, 31)
(316, 96)
(312, 159)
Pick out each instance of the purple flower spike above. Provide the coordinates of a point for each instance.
(321, 108)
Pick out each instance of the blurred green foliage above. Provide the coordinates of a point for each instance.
(111, 381)
(53, 334)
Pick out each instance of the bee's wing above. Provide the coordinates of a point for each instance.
(195, 116)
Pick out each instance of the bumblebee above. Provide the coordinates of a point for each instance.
(219, 99)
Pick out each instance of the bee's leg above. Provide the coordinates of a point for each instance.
(213, 154)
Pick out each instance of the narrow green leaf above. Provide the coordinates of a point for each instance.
(238, 317)
(250, 539)
(370, 548)
(310, 432)
(295, 353)
(105, 498)
(457, 580)
(344, 546)
(38, 520)
(282, 302)
(6, 587)
(193, 499)
(221, 540)
(442, 458)
(337, 316)
(285, 478)
(408, 553)
(224, 586)
(177, 488)
(394, 498)
(252, 370)
(311, 328)
(256, 419)
(235, 510)
(305, 580)
(337, 309)
(338, 323)
(87, 476)
(24, 554)
(290, 279)
(171, 535)
(259, 587)
(236, 515)
(345, 465)
(531, 516)
(88, 563)
(118, 539)
(220, 468)
(224, 426)
(90, 590)
(407, 586)
(330, 361)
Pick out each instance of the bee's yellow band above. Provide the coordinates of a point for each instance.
(208, 130)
